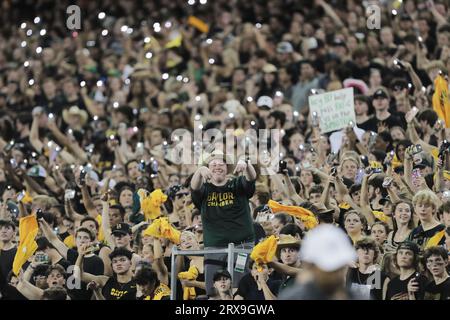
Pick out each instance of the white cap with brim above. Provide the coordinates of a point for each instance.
(216, 154)
(264, 101)
(328, 248)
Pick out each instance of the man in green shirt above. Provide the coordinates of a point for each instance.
(225, 210)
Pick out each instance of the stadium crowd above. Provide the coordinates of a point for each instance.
(94, 201)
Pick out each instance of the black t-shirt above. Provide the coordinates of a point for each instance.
(260, 234)
(248, 288)
(6, 262)
(113, 290)
(93, 265)
(366, 125)
(421, 237)
(390, 122)
(11, 293)
(366, 285)
(398, 289)
(225, 212)
(54, 105)
(438, 292)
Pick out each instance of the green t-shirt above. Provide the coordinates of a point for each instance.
(225, 212)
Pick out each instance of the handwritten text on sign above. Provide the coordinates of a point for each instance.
(335, 109)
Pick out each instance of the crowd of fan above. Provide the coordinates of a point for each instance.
(86, 123)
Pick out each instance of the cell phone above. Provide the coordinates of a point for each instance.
(399, 64)
(446, 194)
(372, 139)
(13, 163)
(9, 146)
(140, 146)
(359, 176)
(282, 166)
(69, 194)
(387, 182)
(155, 166)
(417, 149)
(42, 257)
(83, 177)
(20, 196)
(444, 147)
(365, 161)
(331, 157)
(39, 214)
(333, 171)
(94, 247)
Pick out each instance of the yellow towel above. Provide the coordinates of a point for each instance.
(380, 216)
(264, 251)
(151, 205)
(307, 217)
(344, 205)
(161, 228)
(101, 235)
(199, 24)
(191, 274)
(27, 198)
(434, 240)
(441, 102)
(28, 230)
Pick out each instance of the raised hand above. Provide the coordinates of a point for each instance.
(205, 173)
(241, 166)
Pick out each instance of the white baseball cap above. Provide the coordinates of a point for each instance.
(328, 248)
(264, 101)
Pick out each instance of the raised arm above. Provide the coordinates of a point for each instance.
(34, 134)
(331, 13)
(71, 212)
(364, 201)
(53, 238)
(200, 176)
(88, 203)
(284, 269)
(28, 290)
(105, 222)
(440, 19)
(293, 195)
(84, 276)
(63, 139)
(408, 167)
(158, 262)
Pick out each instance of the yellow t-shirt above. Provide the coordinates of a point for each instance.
(160, 292)
(101, 235)
(69, 241)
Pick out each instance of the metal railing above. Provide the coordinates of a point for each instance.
(230, 251)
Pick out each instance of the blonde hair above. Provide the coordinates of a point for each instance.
(426, 197)
(45, 200)
(351, 155)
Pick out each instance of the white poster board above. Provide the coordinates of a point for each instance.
(335, 109)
